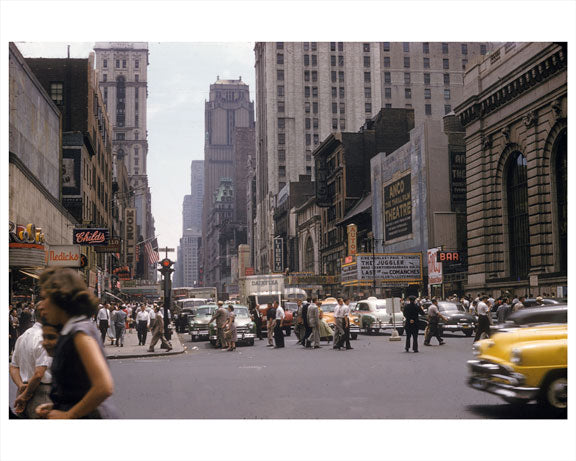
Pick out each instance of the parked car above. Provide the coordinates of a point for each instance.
(198, 325)
(524, 365)
(551, 313)
(245, 327)
(533, 302)
(374, 316)
(458, 318)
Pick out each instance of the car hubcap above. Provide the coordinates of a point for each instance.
(558, 393)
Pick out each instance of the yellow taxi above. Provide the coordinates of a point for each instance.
(524, 364)
(327, 309)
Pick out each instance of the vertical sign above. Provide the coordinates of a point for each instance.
(458, 180)
(434, 267)
(278, 254)
(352, 240)
(398, 208)
(130, 238)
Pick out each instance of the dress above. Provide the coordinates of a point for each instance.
(231, 328)
(70, 382)
(325, 331)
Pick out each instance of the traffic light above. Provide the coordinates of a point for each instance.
(166, 267)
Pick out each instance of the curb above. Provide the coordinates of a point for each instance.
(148, 354)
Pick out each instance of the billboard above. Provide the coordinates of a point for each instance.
(434, 267)
(393, 268)
(398, 208)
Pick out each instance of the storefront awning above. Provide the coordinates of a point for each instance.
(31, 272)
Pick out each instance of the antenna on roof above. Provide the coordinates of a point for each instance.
(68, 51)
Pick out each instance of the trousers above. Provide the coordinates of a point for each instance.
(412, 333)
(278, 334)
(482, 327)
(142, 328)
(120, 329)
(338, 331)
(433, 330)
(103, 326)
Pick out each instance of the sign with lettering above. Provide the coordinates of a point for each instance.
(393, 267)
(89, 237)
(321, 175)
(352, 239)
(434, 267)
(448, 256)
(458, 181)
(113, 246)
(278, 263)
(130, 236)
(26, 246)
(398, 208)
(63, 255)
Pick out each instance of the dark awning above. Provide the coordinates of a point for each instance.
(363, 205)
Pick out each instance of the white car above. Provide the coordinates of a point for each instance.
(375, 316)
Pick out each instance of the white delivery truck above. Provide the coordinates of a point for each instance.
(259, 290)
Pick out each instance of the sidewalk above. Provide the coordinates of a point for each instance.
(131, 348)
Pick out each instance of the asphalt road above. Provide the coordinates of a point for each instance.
(375, 380)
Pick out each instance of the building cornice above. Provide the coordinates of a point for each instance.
(479, 107)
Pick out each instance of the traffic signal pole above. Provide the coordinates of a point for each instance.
(166, 270)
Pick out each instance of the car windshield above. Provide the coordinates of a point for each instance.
(328, 307)
(444, 306)
(205, 310)
(241, 312)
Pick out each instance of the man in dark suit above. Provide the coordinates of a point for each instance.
(307, 329)
(313, 316)
(411, 313)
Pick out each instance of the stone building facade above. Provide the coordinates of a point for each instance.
(514, 111)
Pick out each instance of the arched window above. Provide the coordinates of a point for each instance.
(519, 231)
(309, 256)
(561, 171)
(120, 101)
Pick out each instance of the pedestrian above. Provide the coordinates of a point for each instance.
(119, 320)
(434, 317)
(220, 315)
(412, 311)
(338, 323)
(324, 329)
(345, 341)
(257, 319)
(25, 320)
(103, 318)
(270, 322)
(503, 311)
(158, 332)
(307, 329)
(30, 370)
(81, 379)
(13, 330)
(474, 307)
(313, 340)
(111, 329)
(278, 333)
(142, 325)
(299, 325)
(483, 326)
(230, 329)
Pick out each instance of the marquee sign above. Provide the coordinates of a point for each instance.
(394, 268)
(90, 237)
(278, 254)
(26, 246)
(398, 208)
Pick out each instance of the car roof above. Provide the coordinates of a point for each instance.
(537, 313)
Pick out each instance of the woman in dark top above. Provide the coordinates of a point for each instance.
(81, 379)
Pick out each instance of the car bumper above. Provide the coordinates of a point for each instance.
(496, 379)
(458, 327)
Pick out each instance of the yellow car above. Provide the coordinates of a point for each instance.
(524, 364)
(328, 306)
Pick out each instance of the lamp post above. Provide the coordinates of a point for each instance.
(374, 240)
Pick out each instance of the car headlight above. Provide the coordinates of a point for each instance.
(516, 356)
(476, 349)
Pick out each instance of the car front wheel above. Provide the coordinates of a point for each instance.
(554, 394)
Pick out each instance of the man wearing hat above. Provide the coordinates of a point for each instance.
(220, 315)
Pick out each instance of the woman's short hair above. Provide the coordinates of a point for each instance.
(231, 307)
(66, 288)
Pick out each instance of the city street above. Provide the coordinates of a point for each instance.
(375, 380)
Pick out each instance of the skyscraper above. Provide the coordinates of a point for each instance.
(197, 197)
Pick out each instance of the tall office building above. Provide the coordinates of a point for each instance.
(197, 197)
(228, 108)
(189, 254)
(186, 213)
(122, 71)
(307, 90)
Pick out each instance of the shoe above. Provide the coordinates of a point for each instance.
(269, 345)
(169, 349)
(317, 347)
(337, 348)
(442, 343)
(415, 350)
(150, 350)
(349, 348)
(426, 344)
(407, 350)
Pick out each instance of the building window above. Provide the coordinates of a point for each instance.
(386, 61)
(447, 93)
(561, 173)
(426, 63)
(340, 61)
(314, 91)
(368, 107)
(308, 170)
(342, 123)
(444, 48)
(120, 136)
(341, 90)
(334, 123)
(120, 101)
(342, 108)
(280, 75)
(314, 107)
(314, 75)
(306, 46)
(464, 63)
(446, 79)
(306, 91)
(123, 63)
(281, 106)
(333, 76)
(334, 92)
(315, 123)
(137, 64)
(281, 123)
(428, 109)
(366, 61)
(281, 155)
(280, 58)
(280, 90)
(406, 47)
(281, 138)
(279, 45)
(445, 63)
(332, 46)
(306, 59)
(306, 76)
(426, 79)
(427, 93)
(388, 92)
(406, 61)
(386, 46)
(447, 109)
(367, 77)
(316, 139)
(334, 107)
(314, 46)
(388, 106)
(137, 77)
(340, 46)
(308, 139)
(104, 77)
(314, 60)
(308, 123)
(464, 48)
(518, 226)
(387, 78)
(408, 93)
(366, 47)
(57, 93)
(282, 171)
(105, 63)
(406, 78)
(340, 76)
(482, 50)
(307, 107)
(117, 63)
(425, 47)
(367, 92)
(333, 60)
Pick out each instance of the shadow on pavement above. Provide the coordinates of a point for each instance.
(507, 411)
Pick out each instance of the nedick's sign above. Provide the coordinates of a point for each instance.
(90, 237)
(64, 256)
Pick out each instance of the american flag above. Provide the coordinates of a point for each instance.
(151, 248)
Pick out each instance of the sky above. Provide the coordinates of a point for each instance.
(179, 78)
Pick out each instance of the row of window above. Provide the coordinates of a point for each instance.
(426, 47)
(425, 62)
(408, 78)
(408, 93)
(123, 61)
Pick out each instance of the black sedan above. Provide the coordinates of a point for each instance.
(457, 317)
(530, 316)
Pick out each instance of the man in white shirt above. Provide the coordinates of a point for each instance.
(520, 304)
(103, 319)
(29, 370)
(278, 334)
(483, 310)
(142, 325)
(338, 324)
(345, 315)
